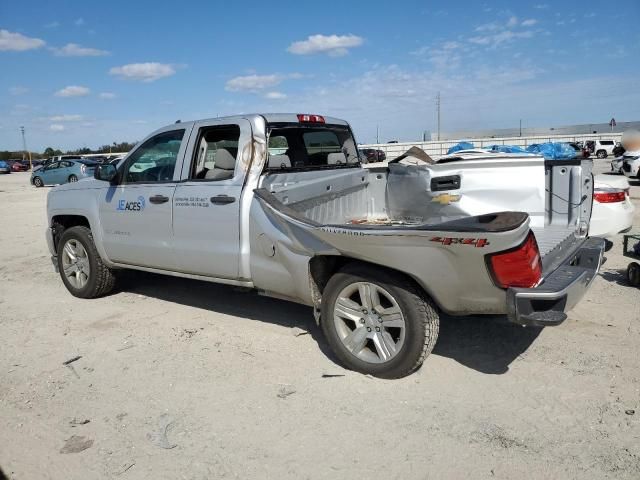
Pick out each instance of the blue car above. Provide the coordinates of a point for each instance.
(63, 171)
(4, 167)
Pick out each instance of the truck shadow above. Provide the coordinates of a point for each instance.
(487, 344)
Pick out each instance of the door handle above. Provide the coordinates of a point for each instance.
(158, 199)
(222, 199)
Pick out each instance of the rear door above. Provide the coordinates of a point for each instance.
(135, 215)
(206, 205)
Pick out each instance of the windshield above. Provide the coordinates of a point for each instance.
(305, 147)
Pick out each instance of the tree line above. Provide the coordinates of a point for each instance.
(115, 147)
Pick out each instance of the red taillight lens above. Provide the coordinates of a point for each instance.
(306, 118)
(521, 267)
(609, 195)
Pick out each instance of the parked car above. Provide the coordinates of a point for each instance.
(18, 166)
(64, 171)
(601, 148)
(372, 155)
(4, 167)
(631, 165)
(362, 247)
(612, 211)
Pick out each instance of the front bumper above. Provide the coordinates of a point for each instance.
(546, 304)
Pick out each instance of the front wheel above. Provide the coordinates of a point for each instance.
(601, 154)
(378, 322)
(73, 178)
(37, 181)
(81, 268)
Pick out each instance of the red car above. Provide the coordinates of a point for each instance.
(19, 166)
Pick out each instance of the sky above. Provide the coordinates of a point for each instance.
(84, 74)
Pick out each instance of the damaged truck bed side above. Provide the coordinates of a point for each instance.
(279, 203)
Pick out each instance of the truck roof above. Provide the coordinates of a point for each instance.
(269, 117)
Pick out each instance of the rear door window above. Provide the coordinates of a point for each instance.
(216, 154)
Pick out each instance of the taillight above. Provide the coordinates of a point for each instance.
(306, 118)
(610, 195)
(83, 168)
(519, 267)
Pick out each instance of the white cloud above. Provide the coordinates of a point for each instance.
(16, 42)
(107, 95)
(252, 83)
(18, 90)
(52, 25)
(512, 22)
(79, 22)
(332, 45)
(56, 127)
(75, 50)
(498, 39)
(541, 6)
(144, 72)
(275, 96)
(529, 22)
(73, 91)
(66, 118)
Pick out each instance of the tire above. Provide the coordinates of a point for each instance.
(37, 181)
(633, 274)
(601, 154)
(412, 342)
(100, 279)
(73, 178)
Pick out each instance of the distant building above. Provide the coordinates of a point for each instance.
(530, 132)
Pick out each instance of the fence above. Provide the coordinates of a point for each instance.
(436, 149)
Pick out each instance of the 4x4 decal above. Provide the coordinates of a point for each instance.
(478, 242)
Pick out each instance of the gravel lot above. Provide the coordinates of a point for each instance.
(181, 379)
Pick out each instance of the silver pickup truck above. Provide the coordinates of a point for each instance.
(280, 203)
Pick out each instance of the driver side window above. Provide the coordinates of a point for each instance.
(155, 160)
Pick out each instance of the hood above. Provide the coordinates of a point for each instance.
(81, 184)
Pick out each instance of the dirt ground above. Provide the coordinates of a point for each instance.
(180, 379)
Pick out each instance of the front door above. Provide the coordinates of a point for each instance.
(206, 205)
(136, 214)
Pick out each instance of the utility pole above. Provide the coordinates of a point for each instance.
(438, 110)
(377, 134)
(520, 127)
(24, 147)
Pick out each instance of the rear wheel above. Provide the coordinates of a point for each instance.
(601, 154)
(73, 178)
(378, 322)
(37, 181)
(81, 268)
(633, 274)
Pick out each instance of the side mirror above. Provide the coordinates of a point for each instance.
(106, 172)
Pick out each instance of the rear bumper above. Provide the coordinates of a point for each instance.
(547, 304)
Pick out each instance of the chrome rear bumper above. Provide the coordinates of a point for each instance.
(547, 304)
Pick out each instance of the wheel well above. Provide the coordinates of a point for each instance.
(323, 267)
(60, 223)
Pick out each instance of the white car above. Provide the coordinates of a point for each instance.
(613, 210)
(631, 165)
(602, 148)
